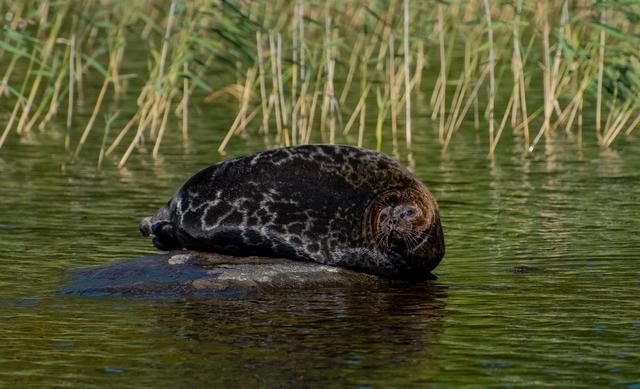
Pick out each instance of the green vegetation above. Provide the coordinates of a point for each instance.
(301, 68)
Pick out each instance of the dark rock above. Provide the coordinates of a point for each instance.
(525, 269)
(194, 273)
(7, 227)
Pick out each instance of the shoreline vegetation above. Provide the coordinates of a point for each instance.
(304, 69)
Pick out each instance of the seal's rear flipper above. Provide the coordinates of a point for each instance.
(160, 226)
(146, 228)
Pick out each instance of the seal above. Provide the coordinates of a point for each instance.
(331, 204)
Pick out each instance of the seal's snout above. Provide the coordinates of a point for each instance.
(145, 226)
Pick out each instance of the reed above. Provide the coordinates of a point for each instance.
(600, 76)
(519, 92)
(547, 77)
(442, 90)
(108, 119)
(299, 67)
(393, 91)
(94, 114)
(407, 75)
(184, 105)
(492, 82)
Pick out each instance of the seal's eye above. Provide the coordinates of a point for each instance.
(383, 216)
(409, 212)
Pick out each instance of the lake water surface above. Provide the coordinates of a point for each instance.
(540, 284)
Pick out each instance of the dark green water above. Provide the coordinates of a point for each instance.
(540, 285)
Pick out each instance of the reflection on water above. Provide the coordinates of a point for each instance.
(565, 214)
(362, 337)
(352, 336)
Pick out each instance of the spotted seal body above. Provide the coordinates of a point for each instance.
(335, 205)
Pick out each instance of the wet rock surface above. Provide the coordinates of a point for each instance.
(195, 273)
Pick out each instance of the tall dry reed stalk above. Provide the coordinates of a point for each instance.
(492, 82)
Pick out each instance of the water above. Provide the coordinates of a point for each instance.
(539, 285)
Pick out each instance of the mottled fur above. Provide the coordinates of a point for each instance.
(318, 203)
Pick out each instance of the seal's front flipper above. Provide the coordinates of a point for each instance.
(367, 261)
(390, 265)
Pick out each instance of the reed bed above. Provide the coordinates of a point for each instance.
(305, 71)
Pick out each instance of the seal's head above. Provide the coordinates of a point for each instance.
(407, 223)
(401, 224)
